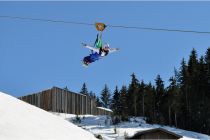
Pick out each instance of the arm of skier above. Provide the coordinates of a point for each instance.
(91, 48)
(111, 50)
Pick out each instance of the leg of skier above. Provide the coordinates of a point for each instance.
(98, 42)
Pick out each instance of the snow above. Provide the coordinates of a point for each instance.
(100, 125)
(105, 109)
(22, 121)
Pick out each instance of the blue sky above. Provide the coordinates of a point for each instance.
(38, 55)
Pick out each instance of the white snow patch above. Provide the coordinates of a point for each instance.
(22, 121)
(105, 109)
(97, 125)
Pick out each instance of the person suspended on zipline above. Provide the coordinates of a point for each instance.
(98, 50)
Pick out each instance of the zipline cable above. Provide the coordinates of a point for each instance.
(46, 20)
(108, 25)
(160, 29)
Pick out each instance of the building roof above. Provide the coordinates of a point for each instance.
(155, 130)
(66, 89)
(105, 109)
(54, 87)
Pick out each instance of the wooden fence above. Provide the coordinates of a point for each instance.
(64, 101)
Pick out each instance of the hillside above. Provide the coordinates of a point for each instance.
(22, 121)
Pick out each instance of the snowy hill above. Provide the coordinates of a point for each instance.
(22, 121)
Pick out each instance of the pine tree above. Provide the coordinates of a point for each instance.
(132, 95)
(159, 99)
(207, 63)
(92, 95)
(149, 99)
(116, 102)
(183, 78)
(202, 100)
(193, 63)
(193, 90)
(206, 125)
(173, 102)
(105, 97)
(123, 106)
(140, 99)
(98, 102)
(84, 89)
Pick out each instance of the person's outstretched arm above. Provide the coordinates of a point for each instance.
(91, 48)
(111, 50)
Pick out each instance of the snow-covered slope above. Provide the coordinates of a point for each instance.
(97, 125)
(22, 121)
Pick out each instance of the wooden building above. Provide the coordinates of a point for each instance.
(64, 101)
(157, 133)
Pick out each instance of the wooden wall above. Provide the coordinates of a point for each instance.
(64, 101)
